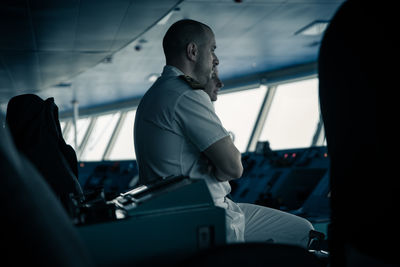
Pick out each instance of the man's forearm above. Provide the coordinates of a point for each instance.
(226, 158)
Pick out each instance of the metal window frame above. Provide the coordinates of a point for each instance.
(114, 135)
(85, 139)
(262, 117)
(319, 134)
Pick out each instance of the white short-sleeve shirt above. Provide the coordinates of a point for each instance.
(174, 124)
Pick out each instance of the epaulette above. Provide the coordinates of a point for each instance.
(192, 82)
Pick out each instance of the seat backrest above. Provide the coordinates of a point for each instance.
(35, 128)
(354, 70)
(253, 254)
(35, 227)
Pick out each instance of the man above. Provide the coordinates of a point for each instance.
(213, 86)
(178, 133)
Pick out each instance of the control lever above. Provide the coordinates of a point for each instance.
(316, 241)
(318, 245)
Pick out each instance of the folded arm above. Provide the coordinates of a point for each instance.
(226, 159)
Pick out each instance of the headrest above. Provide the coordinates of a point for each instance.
(27, 114)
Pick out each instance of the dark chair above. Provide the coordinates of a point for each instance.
(354, 70)
(36, 131)
(35, 228)
(255, 255)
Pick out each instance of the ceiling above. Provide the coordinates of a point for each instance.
(102, 52)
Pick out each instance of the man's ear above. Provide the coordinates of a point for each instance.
(191, 51)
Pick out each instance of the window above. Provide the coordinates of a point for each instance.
(238, 112)
(291, 122)
(82, 125)
(68, 133)
(62, 125)
(124, 146)
(294, 115)
(99, 138)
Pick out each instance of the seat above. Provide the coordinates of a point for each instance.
(354, 68)
(254, 254)
(35, 230)
(35, 128)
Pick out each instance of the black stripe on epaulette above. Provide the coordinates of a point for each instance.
(192, 82)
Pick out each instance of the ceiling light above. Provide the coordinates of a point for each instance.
(315, 28)
(107, 59)
(64, 84)
(164, 20)
(138, 47)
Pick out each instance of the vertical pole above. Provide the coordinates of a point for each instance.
(262, 116)
(75, 122)
(114, 135)
(85, 139)
(319, 133)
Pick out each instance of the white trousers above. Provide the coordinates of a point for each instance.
(263, 224)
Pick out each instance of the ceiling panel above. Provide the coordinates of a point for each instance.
(139, 17)
(97, 28)
(57, 68)
(55, 23)
(102, 52)
(6, 85)
(15, 27)
(47, 43)
(23, 69)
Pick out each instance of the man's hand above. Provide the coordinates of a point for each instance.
(220, 176)
(217, 174)
(206, 165)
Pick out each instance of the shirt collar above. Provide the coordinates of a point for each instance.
(171, 71)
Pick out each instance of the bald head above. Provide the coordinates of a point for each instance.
(190, 46)
(180, 34)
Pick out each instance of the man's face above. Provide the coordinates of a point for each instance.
(213, 85)
(207, 59)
